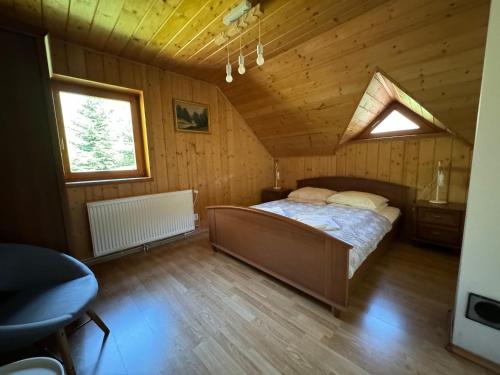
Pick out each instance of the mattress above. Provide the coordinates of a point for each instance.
(361, 228)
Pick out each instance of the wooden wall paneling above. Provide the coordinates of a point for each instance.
(75, 59)
(214, 153)
(181, 91)
(58, 56)
(443, 152)
(111, 70)
(95, 67)
(221, 156)
(341, 161)
(350, 165)
(285, 172)
(410, 173)
(169, 131)
(461, 157)
(384, 161)
(231, 152)
(141, 81)
(397, 155)
(152, 99)
(239, 158)
(372, 159)
(361, 154)
(227, 166)
(426, 167)
(324, 166)
(308, 169)
(411, 162)
(292, 169)
(332, 169)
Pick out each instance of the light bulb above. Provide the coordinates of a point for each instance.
(260, 54)
(260, 59)
(229, 77)
(241, 64)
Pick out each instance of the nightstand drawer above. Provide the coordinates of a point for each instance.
(441, 235)
(440, 217)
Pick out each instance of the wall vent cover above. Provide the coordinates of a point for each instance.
(483, 310)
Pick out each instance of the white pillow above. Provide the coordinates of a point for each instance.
(310, 195)
(359, 199)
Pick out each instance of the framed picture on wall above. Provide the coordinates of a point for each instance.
(191, 117)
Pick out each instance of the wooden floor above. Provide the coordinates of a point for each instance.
(183, 309)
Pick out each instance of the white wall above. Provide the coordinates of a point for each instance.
(480, 263)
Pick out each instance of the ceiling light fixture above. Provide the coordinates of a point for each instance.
(237, 12)
(241, 61)
(229, 77)
(260, 50)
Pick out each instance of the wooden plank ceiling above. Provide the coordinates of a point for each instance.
(320, 55)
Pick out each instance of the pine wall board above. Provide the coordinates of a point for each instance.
(411, 162)
(227, 166)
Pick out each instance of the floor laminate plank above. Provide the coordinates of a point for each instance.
(183, 309)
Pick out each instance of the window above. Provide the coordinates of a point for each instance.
(394, 122)
(397, 121)
(101, 133)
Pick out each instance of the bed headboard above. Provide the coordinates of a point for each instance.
(399, 196)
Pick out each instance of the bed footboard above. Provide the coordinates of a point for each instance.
(295, 253)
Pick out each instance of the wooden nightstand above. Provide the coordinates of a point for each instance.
(271, 194)
(439, 224)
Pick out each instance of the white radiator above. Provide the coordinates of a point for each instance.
(120, 224)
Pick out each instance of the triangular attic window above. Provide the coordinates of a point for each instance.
(385, 110)
(394, 122)
(397, 121)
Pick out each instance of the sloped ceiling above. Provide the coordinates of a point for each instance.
(379, 94)
(179, 35)
(320, 55)
(301, 102)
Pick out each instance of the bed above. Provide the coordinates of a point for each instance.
(314, 261)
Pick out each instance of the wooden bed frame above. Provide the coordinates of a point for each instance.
(300, 255)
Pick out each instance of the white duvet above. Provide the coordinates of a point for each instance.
(362, 229)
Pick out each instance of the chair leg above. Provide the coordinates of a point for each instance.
(98, 321)
(62, 343)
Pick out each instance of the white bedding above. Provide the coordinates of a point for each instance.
(390, 213)
(361, 228)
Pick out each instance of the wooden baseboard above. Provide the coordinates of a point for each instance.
(474, 358)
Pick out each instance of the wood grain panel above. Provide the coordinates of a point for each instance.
(228, 166)
(433, 50)
(320, 57)
(411, 162)
(228, 318)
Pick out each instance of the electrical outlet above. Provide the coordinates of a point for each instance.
(196, 217)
